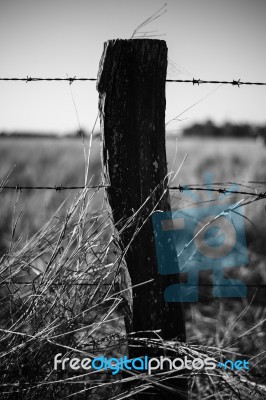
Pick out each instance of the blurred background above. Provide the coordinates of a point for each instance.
(221, 40)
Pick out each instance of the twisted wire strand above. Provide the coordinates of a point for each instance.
(234, 82)
(180, 188)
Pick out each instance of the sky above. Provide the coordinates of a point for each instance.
(206, 39)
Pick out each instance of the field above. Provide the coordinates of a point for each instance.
(52, 162)
(236, 325)
(48, 162)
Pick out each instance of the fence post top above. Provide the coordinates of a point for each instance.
(131, 41)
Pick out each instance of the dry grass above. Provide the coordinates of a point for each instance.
(60, 292)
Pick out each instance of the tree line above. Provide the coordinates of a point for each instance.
(228, 129)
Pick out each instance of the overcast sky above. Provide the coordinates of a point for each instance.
(207, 39)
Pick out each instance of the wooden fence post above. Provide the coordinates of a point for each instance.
(131, 85)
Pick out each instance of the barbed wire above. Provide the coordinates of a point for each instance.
(234, 82)
(180, 188)
(30, 79)
(200, 81)
(60, 188)
(261, 195)
(258, 285)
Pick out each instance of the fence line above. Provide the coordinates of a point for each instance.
(30, 79)
(194, 81)
(200, 81)
(180, 188)
(60, 188)
(259, 285)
